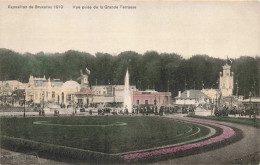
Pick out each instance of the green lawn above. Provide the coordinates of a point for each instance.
(102, 133)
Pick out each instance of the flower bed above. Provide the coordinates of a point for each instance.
(227, 134)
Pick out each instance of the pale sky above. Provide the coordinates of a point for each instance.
(218, 29)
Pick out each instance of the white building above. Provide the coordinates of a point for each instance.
(226, 81)
(214, 94)
(53, 91)
(192, 97)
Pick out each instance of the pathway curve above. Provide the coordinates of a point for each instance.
(248, 145)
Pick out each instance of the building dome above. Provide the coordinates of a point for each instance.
(71, 85)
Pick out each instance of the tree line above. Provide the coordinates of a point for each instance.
(153, 70)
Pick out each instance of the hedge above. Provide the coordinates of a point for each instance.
(57, 150)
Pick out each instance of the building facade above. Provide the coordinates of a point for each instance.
(192, 97)
(41, 90)
(151, 97)
(7, 90)
(214, 95)
(226, 81)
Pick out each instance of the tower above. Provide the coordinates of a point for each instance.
(226, 80)
(31, 81)
(84, 80)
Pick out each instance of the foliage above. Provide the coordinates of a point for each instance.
(161, 72)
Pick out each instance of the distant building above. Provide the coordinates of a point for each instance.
(253, 102)
(151, 97)
(214, 95)
(223, 95)
(226, 81)
(192, 97)
(41, 90)
(8, 87)
(14, 84)
(85, 95)
(5, 89)
(231, 101)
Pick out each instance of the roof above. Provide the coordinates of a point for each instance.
(151, 92)
(41, 83)
(71, 85)
(193, 94)
(12, 82)
(57, 83)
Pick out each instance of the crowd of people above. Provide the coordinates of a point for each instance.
(147, 110)
(234, 110)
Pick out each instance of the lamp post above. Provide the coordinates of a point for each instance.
(72, 97)
(237, 87)
(250, 110)
(114, 97)
(168, 84)
(24, 104)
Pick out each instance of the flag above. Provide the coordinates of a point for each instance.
(88, 71)
(229, 62)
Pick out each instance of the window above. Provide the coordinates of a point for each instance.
(146, 101)
(53, 94)
(137, 102)
(69, 97)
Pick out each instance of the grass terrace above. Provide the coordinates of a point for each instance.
(105, 134)
(245, 121)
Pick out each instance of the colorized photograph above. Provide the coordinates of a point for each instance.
(129, 82)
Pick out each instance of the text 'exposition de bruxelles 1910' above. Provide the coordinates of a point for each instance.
(74, 7)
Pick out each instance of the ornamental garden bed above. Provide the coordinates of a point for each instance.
(96, 138)
(228, 136)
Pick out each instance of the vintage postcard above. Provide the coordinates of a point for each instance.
(129, 82)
